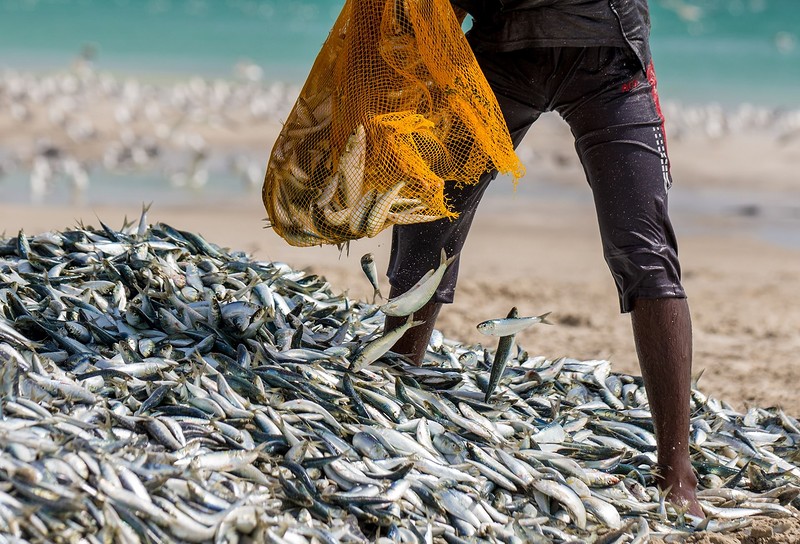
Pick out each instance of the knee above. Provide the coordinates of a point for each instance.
(646, 274)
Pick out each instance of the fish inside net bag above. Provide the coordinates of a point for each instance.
(394, 108)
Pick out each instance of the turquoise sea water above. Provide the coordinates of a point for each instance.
(728, 51)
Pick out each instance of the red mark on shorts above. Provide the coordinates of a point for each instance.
(651, 79)
(629, 86)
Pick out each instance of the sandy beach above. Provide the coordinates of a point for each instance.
(736, 203)
(735, 206)
(545, 257)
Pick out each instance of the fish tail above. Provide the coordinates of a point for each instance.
(696, 378)
(448, 261)
(412, 324)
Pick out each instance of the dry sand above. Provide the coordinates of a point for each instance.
(760, 531)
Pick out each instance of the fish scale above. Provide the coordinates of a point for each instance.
(192, 399)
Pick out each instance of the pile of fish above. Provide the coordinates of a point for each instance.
(158, 388)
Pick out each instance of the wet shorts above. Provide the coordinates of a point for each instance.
(612, 108)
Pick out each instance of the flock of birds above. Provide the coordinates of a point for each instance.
(71, 126)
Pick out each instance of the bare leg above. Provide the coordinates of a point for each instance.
(662, 329)
(415, 341)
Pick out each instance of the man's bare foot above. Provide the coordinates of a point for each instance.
(681, 488)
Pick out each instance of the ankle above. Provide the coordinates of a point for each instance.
(414, 343)
(678, 480)
(676, 470)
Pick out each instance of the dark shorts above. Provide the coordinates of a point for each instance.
(612, 108)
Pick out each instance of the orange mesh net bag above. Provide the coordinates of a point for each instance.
(394, 108)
